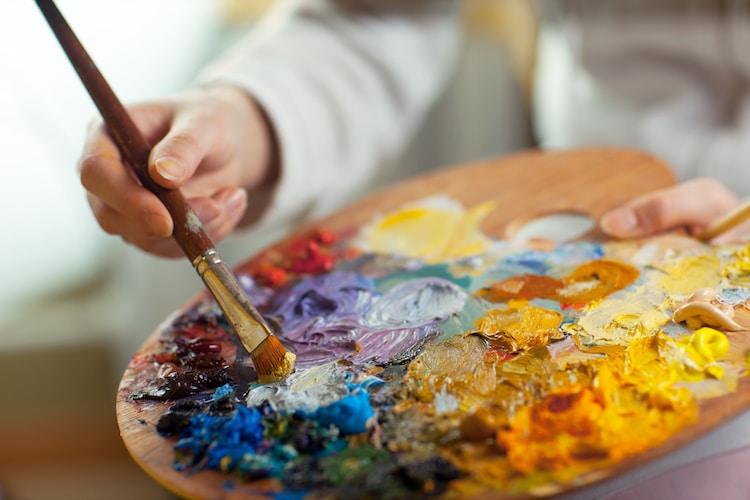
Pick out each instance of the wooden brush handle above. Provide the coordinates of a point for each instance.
(188, 230)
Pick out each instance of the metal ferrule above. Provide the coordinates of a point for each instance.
(247, 323)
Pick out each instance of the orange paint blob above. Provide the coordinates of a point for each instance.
(523, 287)
(594, 280)
(630, 406)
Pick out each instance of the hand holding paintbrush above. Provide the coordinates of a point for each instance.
(271, 360)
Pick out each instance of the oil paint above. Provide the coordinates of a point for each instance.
(432, 360)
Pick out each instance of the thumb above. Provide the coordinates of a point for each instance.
(694, 204)
(175, 158)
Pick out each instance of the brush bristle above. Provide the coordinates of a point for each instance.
(272, 361)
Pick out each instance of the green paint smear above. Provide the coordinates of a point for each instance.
(346, 465)
(465, 321)
(428, 271)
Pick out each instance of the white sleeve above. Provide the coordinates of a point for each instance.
(345, 84)
(688, 134)
(670, 79)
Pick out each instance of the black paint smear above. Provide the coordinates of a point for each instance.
(304, 475)
(178, 416)
(423, 478)
(185, 383)
(391, 479)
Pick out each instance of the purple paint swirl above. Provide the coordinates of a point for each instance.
(341, 315)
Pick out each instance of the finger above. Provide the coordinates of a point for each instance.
(176, 157)
(219, 214)
(107, 179)
(151, 118)
(115, 223)
(105, 176)
(234, 204)
(206, 209)
(109, 220)
(695, 203)
(162, 247)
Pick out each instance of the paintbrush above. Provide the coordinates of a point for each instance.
(272, 361)
(727, 222)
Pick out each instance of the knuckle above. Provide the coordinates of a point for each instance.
(133, 200)
(184, 143)
(136, 240)
(90, 168)
(127, 239)
(149, 245)
(655, 214)
(107, 223)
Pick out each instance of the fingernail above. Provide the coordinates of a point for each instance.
(169, 169)
(156, 224)
(621, 222)
(207, 213)
(236, 202)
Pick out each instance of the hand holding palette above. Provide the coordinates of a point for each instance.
(433, 359)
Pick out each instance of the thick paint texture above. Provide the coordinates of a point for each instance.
(520, 327)
(349, 415)
(342, 316)
(431, 359)
(434, 230)
(592, 281)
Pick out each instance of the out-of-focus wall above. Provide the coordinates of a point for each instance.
(74, 303)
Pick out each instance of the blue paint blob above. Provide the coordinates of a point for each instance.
(222, 441)
(563, 256)
(734, 296)
(224, 391)
(351, 413)
(290, 495)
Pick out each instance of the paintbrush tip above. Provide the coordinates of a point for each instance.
(272, 361)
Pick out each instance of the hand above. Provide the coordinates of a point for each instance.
(212, 143)
(693, 204)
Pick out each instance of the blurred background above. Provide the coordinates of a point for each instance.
(75, 304)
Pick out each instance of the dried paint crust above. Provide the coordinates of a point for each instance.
(432, 360)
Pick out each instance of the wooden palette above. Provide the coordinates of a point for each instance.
(523, 186)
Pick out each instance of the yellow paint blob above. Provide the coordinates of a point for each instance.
(433, 230)
(709, 343)
(617, 321)
(630, 406)
(691, 273)
(520, 413)
(520, 327)
(457, 366)
(696, 356)
(738, 270)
